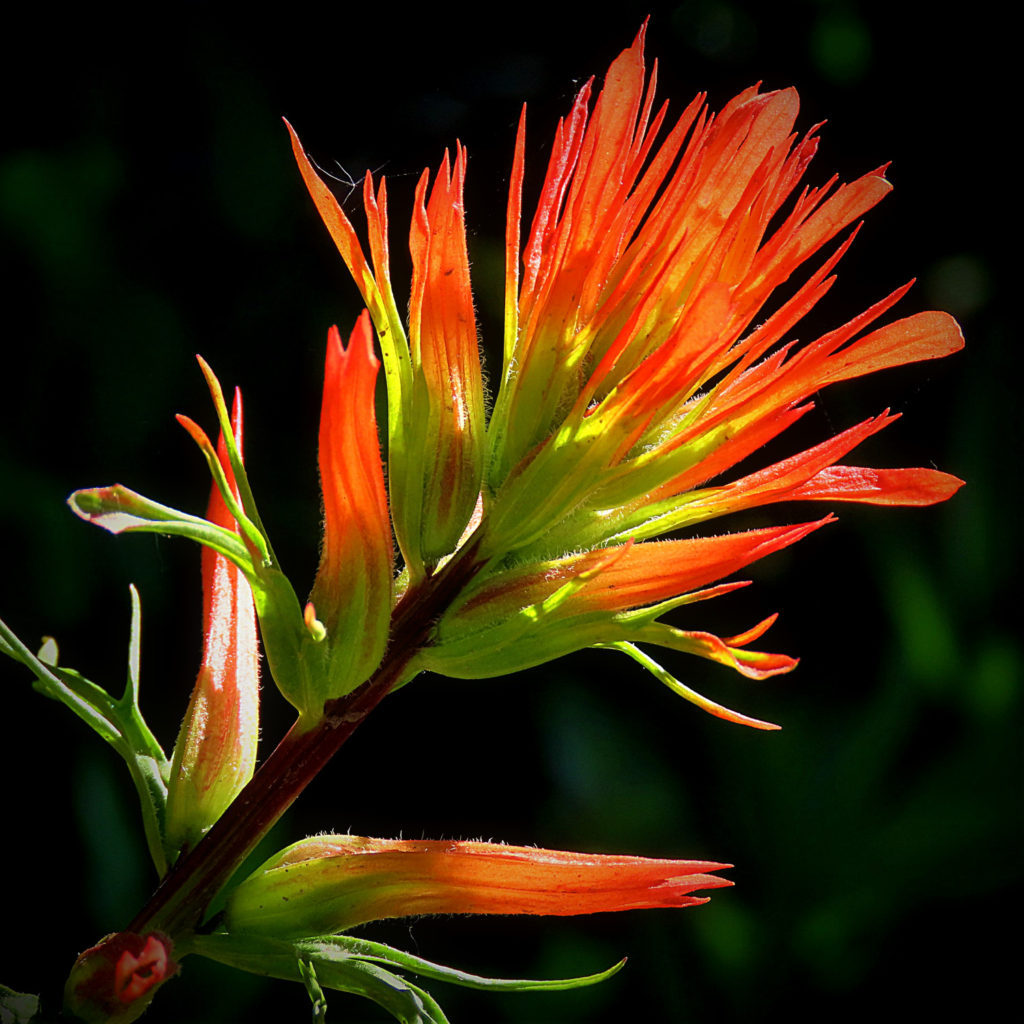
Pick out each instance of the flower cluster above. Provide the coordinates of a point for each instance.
(642, 362)
(647, 354)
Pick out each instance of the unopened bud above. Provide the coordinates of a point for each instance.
(115, 980)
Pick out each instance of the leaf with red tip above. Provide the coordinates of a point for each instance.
(684, 691)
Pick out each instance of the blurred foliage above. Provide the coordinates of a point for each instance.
(150, 210)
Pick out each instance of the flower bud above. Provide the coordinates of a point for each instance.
(328, 884)
(115, 980)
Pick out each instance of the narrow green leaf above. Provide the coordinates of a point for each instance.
(684, 691)
(251, 516)
(381, 953)
(406, 1002)
(274, 958)
(316, 994)
(119, 722)
(251, 531)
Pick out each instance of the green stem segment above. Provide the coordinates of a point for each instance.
(177, 906)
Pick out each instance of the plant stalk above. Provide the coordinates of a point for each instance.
(179, 903)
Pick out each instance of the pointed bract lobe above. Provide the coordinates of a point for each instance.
(448, 407)
(352, 594)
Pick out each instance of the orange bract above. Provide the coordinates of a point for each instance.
(352, 592)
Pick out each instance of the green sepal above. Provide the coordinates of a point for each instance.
(293, 651)
(119, 722)
(513, 638)
(349, 964)
(18, 1007)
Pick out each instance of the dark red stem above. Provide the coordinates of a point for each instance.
(179, 903)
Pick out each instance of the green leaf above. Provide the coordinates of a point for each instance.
(17, 1007)
(354, 965)
(380, 953)
(316, 993)
(335, 969)
(119, 722)
(663, 675)
(406, 1002)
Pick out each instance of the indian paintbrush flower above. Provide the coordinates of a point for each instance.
(643, 361)
(328, 884)
(646, 355)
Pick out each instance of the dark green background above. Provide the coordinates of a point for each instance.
(150, 209)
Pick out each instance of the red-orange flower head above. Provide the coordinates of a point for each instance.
(640, 366)
(329, 884)
(215, 754)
